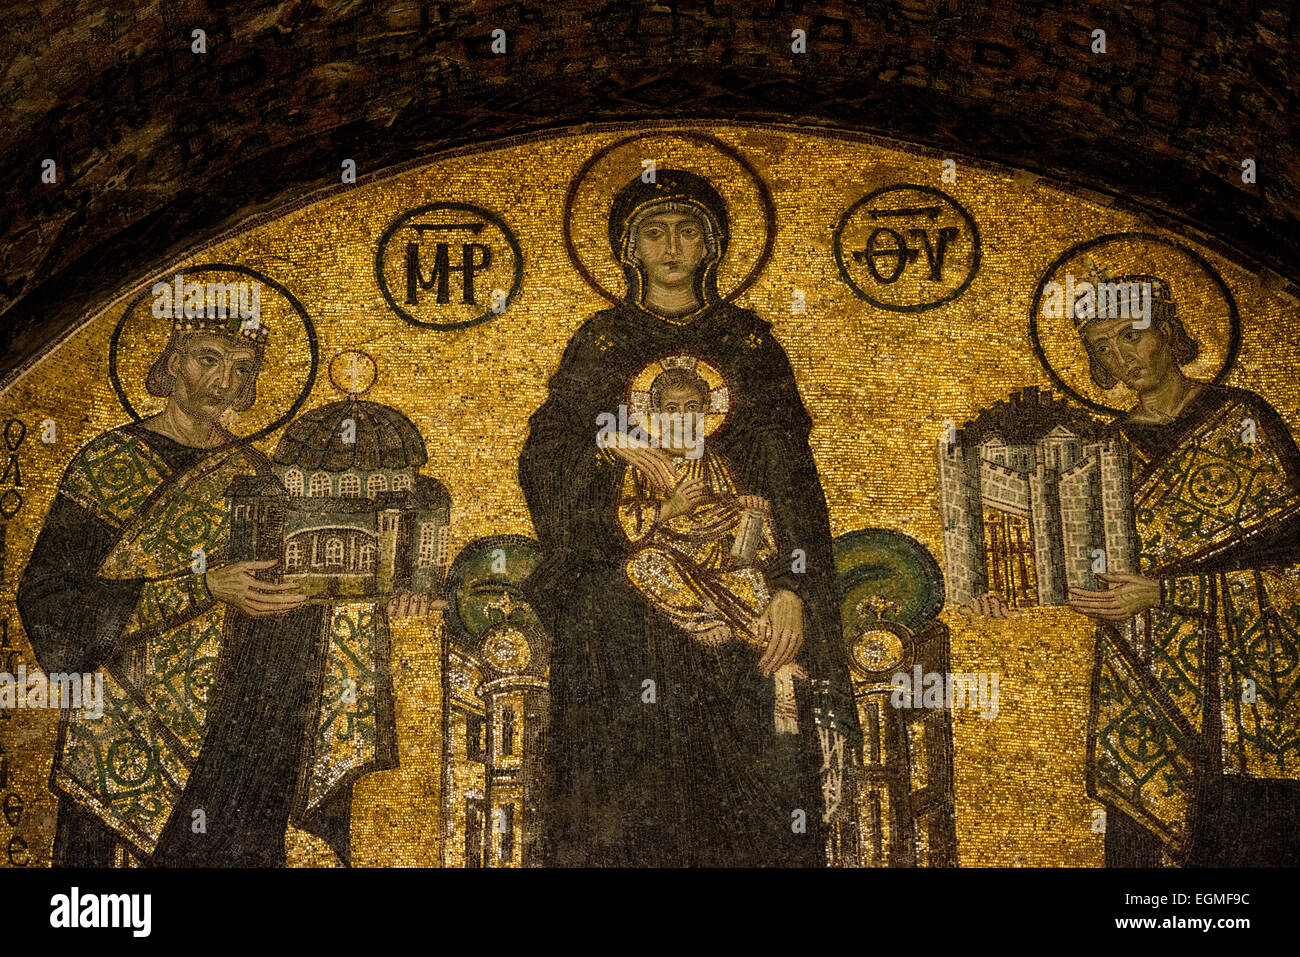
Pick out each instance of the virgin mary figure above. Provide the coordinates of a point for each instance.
(662, 748)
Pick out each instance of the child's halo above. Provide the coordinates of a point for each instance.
(719, 410)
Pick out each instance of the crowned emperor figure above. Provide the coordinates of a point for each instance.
(211, 670)
(1193, 739)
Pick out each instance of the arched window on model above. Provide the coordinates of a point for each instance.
(349, 485)
(367, 558)
(293, 551)
(334, 552)
(320, 485)
(376, 484)
(401, 482)
(293, 482)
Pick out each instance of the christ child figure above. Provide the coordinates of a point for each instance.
(699, 548)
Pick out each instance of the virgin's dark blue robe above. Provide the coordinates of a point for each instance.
(699, 776)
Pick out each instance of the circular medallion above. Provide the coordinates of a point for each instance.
(877, 651)
(1138, 735)
(353, 372)
(505, 648)
(448, 265)
(907, 248)
(1214, 485)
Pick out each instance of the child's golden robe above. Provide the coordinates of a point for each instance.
(683, 565)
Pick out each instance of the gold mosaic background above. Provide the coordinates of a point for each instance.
(878, 384)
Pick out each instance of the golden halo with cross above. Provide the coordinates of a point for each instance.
(637, 398)
(353, 372)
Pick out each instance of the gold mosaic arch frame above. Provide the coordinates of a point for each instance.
(877, 387)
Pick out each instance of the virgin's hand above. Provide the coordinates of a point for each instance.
(1128, 595)
(652, 463)
(235, 585)
(781, 626)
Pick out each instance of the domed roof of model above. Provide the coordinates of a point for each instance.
(384, 439)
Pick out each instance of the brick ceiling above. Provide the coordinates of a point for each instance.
(159, 149)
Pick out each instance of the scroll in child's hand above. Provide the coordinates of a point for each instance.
(749, 534)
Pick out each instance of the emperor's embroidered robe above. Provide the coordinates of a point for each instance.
(1198, 699)
(217, 729)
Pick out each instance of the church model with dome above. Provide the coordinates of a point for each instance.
(349, 512)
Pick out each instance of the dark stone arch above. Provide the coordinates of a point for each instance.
(160, 150)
